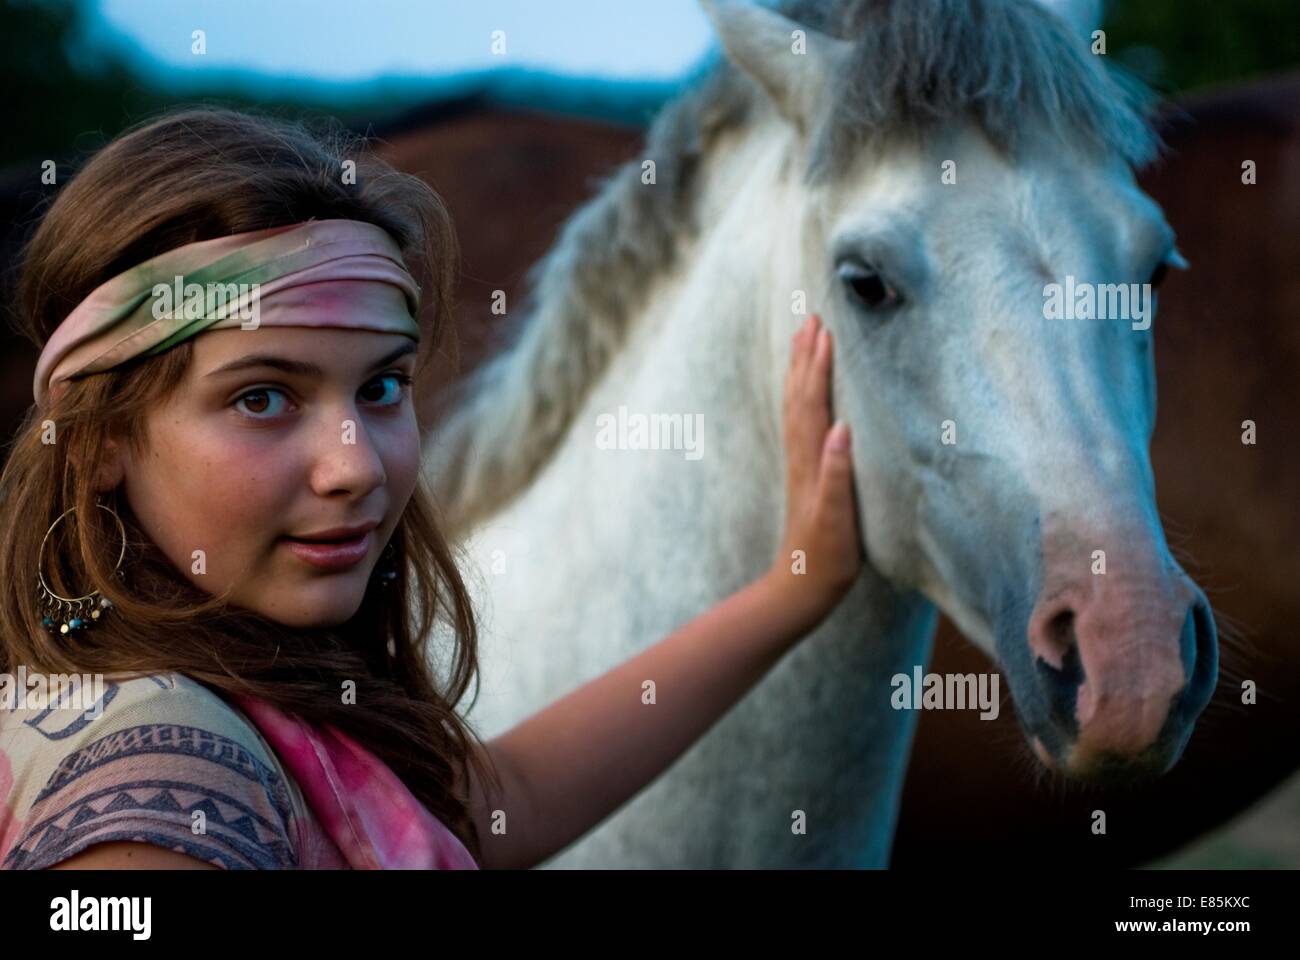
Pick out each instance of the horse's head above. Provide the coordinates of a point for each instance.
(958, 160)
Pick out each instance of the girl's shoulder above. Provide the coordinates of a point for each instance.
(158, 759)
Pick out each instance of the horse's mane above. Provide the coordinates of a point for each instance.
(1009, 64)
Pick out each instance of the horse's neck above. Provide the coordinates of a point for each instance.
(701, 343)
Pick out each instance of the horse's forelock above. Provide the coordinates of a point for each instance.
(1012, 66)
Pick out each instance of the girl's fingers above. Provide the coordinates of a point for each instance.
(835, 495)
(800, 352)
(819, 385)
(802, 453)
(807, 412)
(836, 475)
(835, 469)
(807, 354)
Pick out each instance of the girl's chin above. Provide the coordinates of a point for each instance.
(317, 606)
(311, 621)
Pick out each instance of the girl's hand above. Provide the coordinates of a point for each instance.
(821, 552)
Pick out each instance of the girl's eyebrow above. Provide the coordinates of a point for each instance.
(300, 367)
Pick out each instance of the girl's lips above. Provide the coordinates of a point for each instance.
(331, 556)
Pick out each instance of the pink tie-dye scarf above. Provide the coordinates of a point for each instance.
(374, 820)
(323, 273)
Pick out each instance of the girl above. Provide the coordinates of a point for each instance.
(215, 503)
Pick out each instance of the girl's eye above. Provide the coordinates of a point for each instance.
(259, 402)
(389, 397)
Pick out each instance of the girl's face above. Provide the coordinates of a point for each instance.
(279, 433)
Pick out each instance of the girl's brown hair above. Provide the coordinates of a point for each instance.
(186, 177)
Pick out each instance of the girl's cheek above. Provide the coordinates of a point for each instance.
(403, 463)
(237, 479)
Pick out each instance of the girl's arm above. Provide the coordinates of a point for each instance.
(569, 766)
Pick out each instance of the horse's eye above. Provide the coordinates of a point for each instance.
(868, 288)
(1158, 276)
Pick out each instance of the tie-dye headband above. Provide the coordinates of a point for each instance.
(302, 275)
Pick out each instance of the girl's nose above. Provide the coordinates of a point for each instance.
(346, 459)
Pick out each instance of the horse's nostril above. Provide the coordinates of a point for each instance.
(1060, 632)
(1061, 684)
(1053, 640)
(1203, 657)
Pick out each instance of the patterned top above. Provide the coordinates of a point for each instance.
(160, 760)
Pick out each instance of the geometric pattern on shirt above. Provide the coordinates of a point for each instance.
(144, 783)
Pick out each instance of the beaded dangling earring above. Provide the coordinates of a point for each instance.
(388, 566)
(66, 615)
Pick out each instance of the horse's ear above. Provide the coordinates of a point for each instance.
(793, 63)
(1083, 16)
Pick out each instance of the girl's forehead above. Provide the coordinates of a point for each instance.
(233, 339)
(231, 342)
(320, 351)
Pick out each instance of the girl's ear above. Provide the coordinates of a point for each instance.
(112, 467)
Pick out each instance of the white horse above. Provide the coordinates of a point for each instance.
(920, 173)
